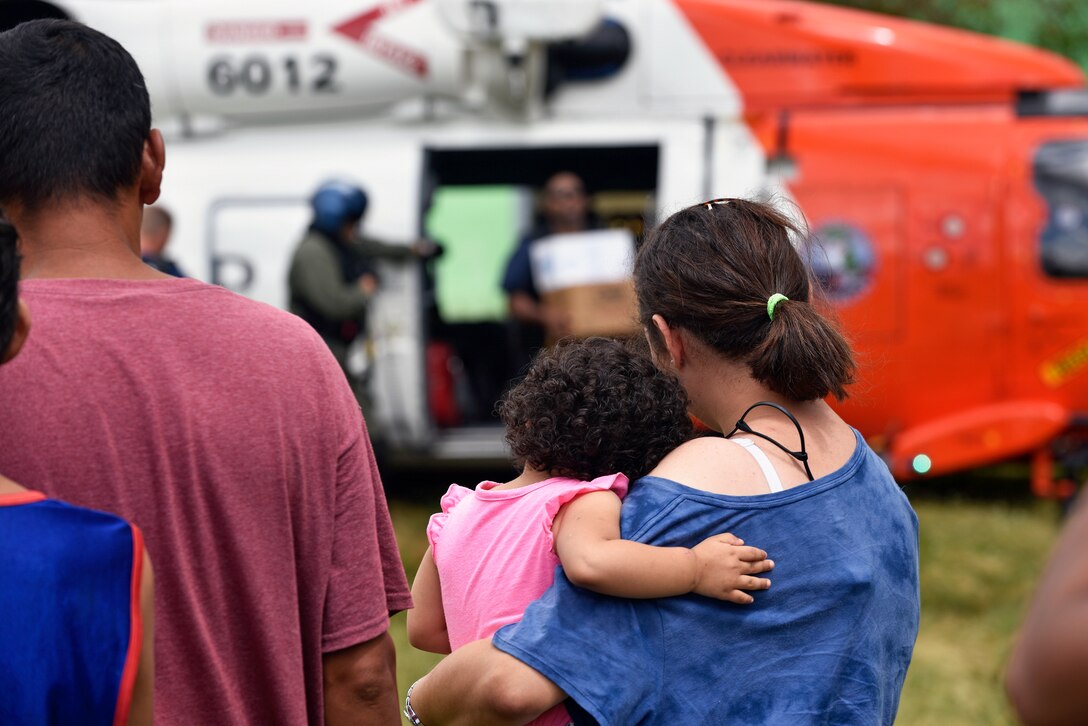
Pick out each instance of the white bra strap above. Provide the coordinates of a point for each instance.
(773, 480)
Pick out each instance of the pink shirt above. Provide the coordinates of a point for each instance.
(226, 431)
(494, 552)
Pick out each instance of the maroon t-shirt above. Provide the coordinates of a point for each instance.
(226, 431)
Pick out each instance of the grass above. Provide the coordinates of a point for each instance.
(979, 564)
(410, 523)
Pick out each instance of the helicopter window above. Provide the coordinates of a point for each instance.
(1061, 177)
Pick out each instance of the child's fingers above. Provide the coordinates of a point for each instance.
(750, 554)
(738, 597)
(754, 568)
(729, 538)
(744, 582)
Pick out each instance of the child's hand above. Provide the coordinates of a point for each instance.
(724, 567)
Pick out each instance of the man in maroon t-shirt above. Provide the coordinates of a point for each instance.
(220, 426)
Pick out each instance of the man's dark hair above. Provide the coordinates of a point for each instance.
(594, 407)
(9, 284)
(75, 114)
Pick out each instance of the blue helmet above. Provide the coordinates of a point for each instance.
(335, 203)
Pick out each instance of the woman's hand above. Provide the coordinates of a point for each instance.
(725, 567)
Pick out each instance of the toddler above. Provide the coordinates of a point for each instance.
(587, 416)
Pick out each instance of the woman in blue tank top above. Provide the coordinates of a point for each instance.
(724, 299)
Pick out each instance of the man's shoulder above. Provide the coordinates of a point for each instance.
(314, 243)
(537, 232)
(229, 309)
(178, 307)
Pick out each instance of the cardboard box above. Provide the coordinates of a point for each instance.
(587, 275)
(608, 309)
(582, 258)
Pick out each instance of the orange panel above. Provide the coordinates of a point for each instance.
(794, 54)
(959, 318)
(975, 437)
(910, 157)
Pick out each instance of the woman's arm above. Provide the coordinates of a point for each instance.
(587, 540)
(479, 685)
(427, 620)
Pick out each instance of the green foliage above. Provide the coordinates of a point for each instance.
(1057, 25)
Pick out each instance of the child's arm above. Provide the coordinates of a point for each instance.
(587, 539)
(427, 620)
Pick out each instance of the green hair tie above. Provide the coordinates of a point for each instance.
(772, 303)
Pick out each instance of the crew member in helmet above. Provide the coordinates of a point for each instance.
(333, 274)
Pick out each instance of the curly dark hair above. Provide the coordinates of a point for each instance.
(593, 407)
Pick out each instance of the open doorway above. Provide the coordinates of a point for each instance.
(482, 203)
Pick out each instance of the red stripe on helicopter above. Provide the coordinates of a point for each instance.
(360, 30)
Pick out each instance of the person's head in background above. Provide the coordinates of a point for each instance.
(594, 407)
(14, 316)
(565, 203)
(155, 231)
(78, 156)
(338, 210)
(706, 280)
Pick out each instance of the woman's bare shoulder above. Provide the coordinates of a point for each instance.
(713, 464)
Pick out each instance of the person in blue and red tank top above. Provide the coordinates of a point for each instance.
(75, 589)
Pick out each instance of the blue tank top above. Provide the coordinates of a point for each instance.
(829, 643)
(69, 612)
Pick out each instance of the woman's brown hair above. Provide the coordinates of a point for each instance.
(711, 268)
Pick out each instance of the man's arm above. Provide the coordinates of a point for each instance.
(479, 685)
(316, 278)
(527, 309)
(361, 684)
(594, 556)
(522, 302)
(376, 249)
(1045, 680)
(365, 581)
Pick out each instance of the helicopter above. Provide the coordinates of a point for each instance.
(943, 176)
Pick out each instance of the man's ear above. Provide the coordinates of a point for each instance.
(152, 162)
(674, 341)
(22, 329)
